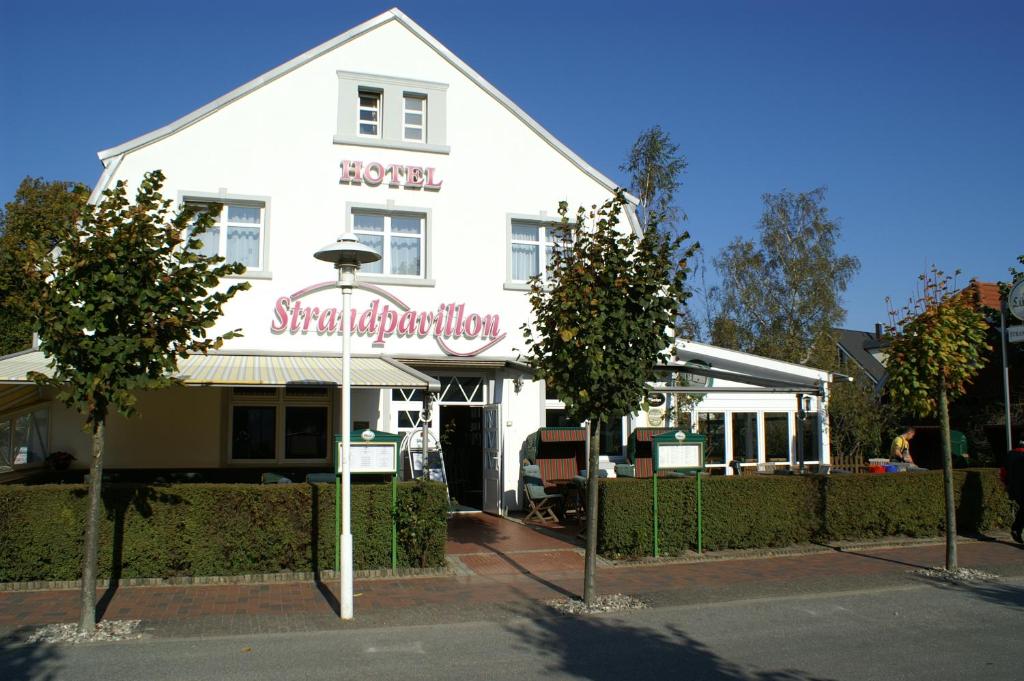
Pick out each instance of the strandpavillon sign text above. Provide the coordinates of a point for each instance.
(450, 324)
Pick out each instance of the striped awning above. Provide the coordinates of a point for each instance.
(12, 396)
(563, 434)
(228, 369)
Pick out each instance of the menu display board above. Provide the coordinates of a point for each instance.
(672, 456)
(377, 457)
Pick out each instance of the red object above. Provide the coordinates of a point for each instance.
(876, 469)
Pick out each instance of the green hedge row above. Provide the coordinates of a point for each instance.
(765, 511)
(213, 529)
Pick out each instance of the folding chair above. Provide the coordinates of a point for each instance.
(541, 502)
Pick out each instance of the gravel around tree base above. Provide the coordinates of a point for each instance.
(609, 603)
(957, 575)
(107, 630)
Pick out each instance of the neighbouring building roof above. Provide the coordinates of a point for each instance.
(857, 345)
(985, 293)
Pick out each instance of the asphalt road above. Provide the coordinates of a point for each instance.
(932, 632)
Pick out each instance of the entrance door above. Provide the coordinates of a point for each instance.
(493, 486)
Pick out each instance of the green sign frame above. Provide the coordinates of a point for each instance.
(673, 463)
(360, 440)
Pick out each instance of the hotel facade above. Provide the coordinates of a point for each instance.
(384, 132)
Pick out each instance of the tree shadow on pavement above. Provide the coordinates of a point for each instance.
(27, 661)
(603, 648)
(1007, 595)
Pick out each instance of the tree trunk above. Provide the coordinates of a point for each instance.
(590, 562)
(947, 476)
(87, 622)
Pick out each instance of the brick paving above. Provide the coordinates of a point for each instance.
(508, 566)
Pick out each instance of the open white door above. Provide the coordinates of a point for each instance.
(493, 486)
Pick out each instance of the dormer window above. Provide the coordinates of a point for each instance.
(369, 114)
(392, 113)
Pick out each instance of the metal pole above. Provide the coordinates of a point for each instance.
(1006, 377)
(655, 481)
(394, 521)
(346, 281)
(700, 520)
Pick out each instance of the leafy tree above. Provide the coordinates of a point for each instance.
(30, 225)
(603, 320)
(126, 295)
(857, 421)
(654, 166)
(937, 346)
(781, 296)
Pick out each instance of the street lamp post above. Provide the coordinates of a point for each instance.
(347, 255)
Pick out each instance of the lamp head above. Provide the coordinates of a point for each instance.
(347, 251)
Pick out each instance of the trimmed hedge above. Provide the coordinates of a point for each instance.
(213, 529)
(766, 511)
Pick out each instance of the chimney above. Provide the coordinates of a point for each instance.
(878, 331)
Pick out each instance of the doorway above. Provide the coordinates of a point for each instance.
(462, 441)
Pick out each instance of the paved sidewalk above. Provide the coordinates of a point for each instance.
(521, 575)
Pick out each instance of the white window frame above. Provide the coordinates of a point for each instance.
(11, 418)
(281, 400)
(544, 242)
(387, 234)
(203, 199)
(422, 126)
(379, 109)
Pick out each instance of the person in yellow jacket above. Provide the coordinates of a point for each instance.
(900, 449)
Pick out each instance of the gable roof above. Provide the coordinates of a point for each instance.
(393, 14)
(857, 345)
(985, 294)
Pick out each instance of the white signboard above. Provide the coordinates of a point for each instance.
(378, 458)
(1015, 334)
(678, 456)
(1015, 301)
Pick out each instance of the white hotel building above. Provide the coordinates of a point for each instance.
(385, 132)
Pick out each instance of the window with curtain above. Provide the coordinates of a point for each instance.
(530, 248)
(399, 239)
(237, 234)
(369, 113)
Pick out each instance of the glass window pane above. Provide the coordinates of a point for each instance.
(810, 436)
(369, 100)
(305, 432)
(368, 128)
(244, 245)
(211, 242)
(246, 214)
(406, 395)
(712, 425)
(524, 261)
(414, 103)
(376, 242)
(30, 435)
(611, 438)
(405, 255)
(306, 391)
(776, 437)
(6, 460)
(254, 392)
(744, 437)
(253, 431)
(406, 224)
(525, 232)
(413, 134)
(413, 118)
(368, 222)
(368, 115)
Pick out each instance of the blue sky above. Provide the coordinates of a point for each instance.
(911, 113)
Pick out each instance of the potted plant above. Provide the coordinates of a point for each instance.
(59, 461)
